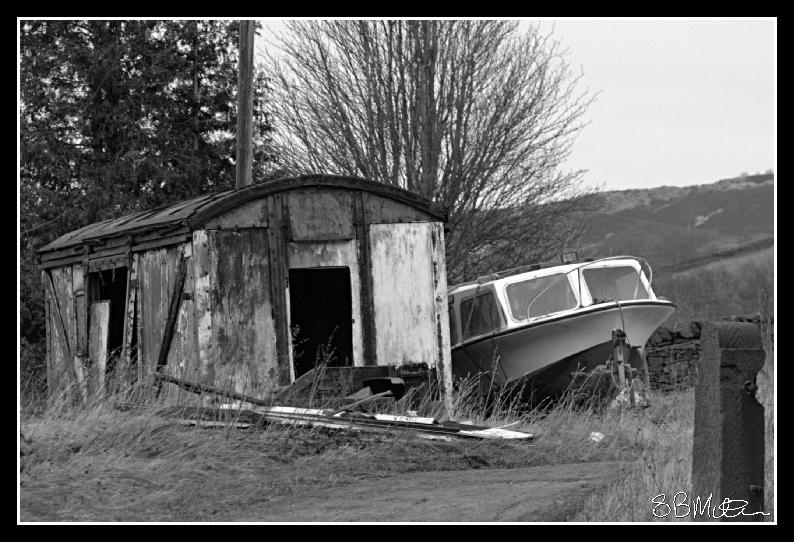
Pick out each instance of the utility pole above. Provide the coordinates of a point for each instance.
(245, 104)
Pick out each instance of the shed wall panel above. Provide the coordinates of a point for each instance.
(249, 215)
(183, 354)
(62, 312)
(382, 210)
(321, 215)
(444, 372)
(335, 253)
(157, 273)
(80, 309)
(243, 341)
(98, 345)
(202, 304)
(404, 293)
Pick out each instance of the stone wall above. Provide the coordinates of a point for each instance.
(673, 354)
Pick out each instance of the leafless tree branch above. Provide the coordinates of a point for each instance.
(476, 115)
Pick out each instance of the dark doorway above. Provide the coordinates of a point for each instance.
(111, 285)
(320, 316)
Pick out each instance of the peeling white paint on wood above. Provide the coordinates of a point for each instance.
(404, 294)
(202, 303)
(243, 337)
(129, 313)
(80, 309)
(444, 366)
(98, 341)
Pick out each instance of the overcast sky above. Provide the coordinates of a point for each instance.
(681, 101)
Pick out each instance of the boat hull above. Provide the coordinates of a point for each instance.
(547, 351)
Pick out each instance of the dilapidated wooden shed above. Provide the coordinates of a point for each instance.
(240, 288)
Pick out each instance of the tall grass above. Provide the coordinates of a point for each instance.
(151, 467)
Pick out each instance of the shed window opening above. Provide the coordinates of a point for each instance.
(479, 315)
(108, 286)
(614, 284)
(531, 298)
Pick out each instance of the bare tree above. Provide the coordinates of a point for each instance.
(475, 115)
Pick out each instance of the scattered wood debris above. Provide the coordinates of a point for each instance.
(260, 413)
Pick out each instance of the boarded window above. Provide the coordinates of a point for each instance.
(479, 315)
(558, 297)
(614, 283)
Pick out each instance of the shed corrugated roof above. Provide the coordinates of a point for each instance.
(193, 213)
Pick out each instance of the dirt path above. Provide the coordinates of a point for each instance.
(546, 493)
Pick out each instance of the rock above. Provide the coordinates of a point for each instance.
(661, 337)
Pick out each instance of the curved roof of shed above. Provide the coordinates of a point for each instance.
(194, 213)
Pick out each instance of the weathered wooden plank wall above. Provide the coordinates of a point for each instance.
(278, 232)
(183, 353)
(321, 215)
(444, 359)
(382, 210)
(361, 218)
(243, 338)
(232, 325)
(404, 293)
(249, 215)
(157, 273)
(62, 325)
(202, 305)
(131, 307)
(98, 343)
(80, 308)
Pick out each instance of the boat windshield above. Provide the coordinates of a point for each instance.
(614, 283)
(558, 297)
(480, 317)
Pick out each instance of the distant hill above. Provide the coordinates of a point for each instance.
(672, 225)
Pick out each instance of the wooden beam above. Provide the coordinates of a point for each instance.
(77, 363)
(278, 216)
(173, 312)
(129, 312)
(245, 103)
(365, 279)
(50, 373)
(204, 388)
(98, 346)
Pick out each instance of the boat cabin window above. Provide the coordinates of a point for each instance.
(614, 283)
(558, 297)
(480, 317)
(453, 326)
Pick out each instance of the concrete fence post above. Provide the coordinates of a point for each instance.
(728, 447)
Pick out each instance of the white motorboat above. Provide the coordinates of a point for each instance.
(544, 323)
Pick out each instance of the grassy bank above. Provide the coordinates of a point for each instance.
(97, 463)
